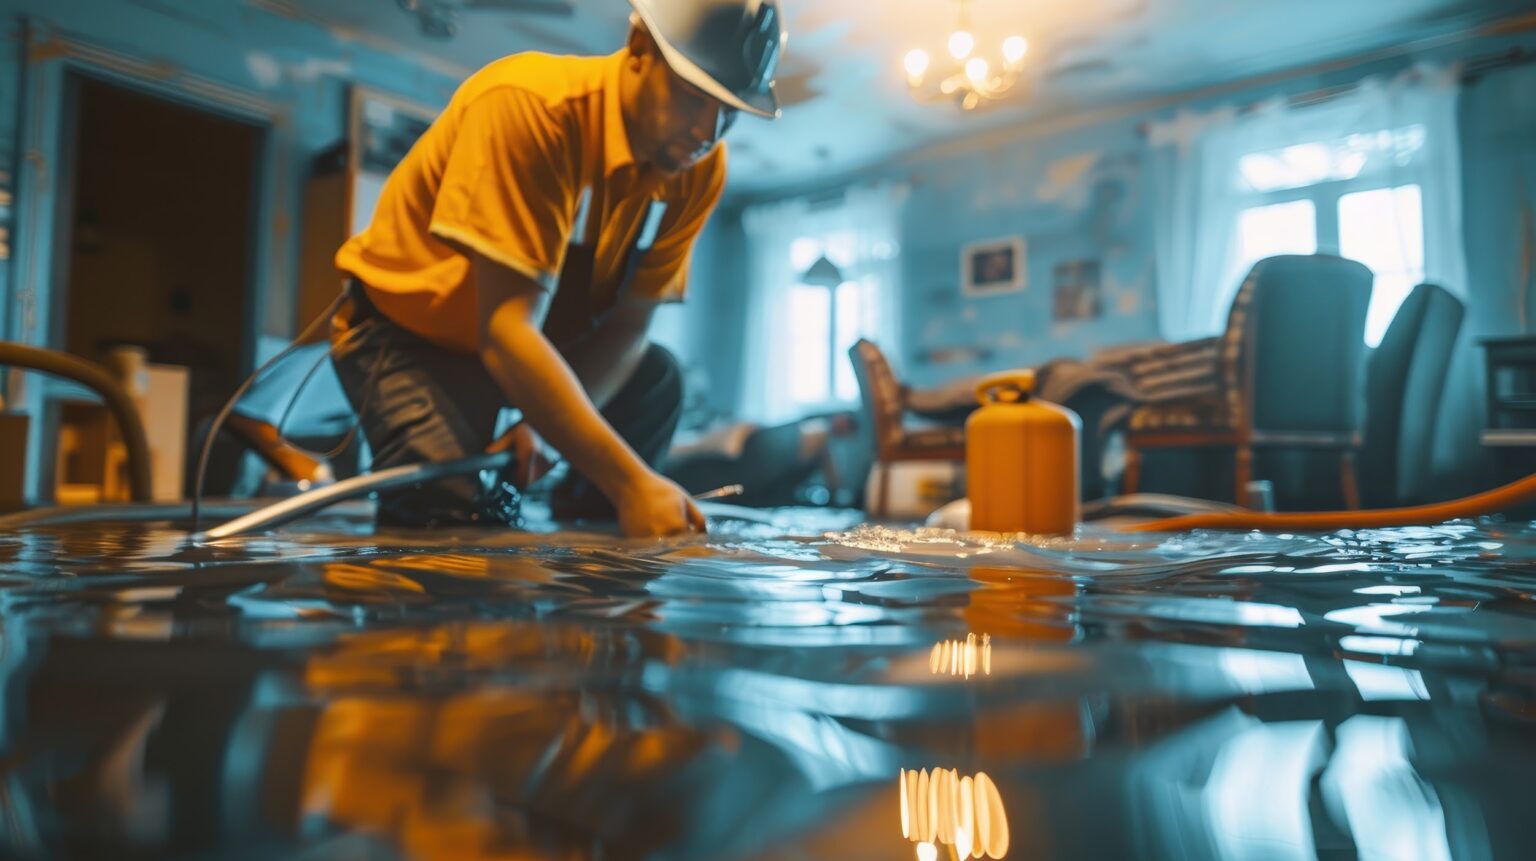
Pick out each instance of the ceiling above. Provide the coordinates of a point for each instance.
(846, 105)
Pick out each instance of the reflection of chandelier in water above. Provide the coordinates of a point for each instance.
(940, 807)
(962, 657)
(969, 77)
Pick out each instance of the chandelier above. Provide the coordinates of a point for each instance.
(969, 78)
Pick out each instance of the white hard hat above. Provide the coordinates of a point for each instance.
(727, 48)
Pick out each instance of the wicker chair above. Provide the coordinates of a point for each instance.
(1286, 374)
(886, 404)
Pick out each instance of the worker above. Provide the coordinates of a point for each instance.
(516, 256)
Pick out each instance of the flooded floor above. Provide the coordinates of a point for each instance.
(794, 689)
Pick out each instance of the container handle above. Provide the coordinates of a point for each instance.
(1006, 387)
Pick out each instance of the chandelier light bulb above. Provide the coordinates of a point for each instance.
(960, 44)
(916, 63)
(1014, 48)
(967, 77)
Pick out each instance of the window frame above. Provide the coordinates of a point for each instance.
(1325, 197)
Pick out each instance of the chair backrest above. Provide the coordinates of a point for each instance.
(880, 392)
(1296, 337)
(1404, 381)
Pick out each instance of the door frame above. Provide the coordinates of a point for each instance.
(55, 60)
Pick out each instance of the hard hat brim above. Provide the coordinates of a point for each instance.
(763, 103)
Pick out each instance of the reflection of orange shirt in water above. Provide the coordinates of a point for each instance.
(476, 773)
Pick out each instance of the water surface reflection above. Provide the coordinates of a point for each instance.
(328, 693)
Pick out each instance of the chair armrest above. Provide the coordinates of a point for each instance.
(1176, 372)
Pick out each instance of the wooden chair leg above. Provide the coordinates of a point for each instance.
(1242, 474)
(1130, 479)
(1349, 480)
(883, 497)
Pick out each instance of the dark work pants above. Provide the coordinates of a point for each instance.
(419, 403)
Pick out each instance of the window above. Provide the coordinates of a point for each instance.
(810, 344)
(1344, 196)
(825, 322)
(1384, 229)
(1279, 228)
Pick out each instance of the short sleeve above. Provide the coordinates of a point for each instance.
(507, 191)
(663, 275)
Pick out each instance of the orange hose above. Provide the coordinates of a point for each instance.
(1498, 499)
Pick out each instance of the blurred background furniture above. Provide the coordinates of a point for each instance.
(1286, 374)
(1404, 383)
(13, 459)
(887, 403)
(1511, 366)
(91, 456)
(787, 464)
(1510, 437)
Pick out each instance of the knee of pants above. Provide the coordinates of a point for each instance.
(659, 376)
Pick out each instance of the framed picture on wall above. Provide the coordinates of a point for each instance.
(992, 267)
(381, 129)
(1076, 292)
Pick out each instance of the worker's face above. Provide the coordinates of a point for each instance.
(677, 123)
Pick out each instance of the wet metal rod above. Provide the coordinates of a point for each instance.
(311, 501)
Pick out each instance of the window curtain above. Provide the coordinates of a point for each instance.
(1196, 222)
(860, 232)
(1197, 173)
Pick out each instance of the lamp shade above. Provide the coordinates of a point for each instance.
(823, 273)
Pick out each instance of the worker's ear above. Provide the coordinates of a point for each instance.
(642, 48)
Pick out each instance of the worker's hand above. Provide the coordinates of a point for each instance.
(654, 507)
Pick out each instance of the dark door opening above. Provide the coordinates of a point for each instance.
(157, 239)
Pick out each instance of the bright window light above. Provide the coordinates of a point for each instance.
(851, 323)
(1279, 228)
(827, 321)
(810, 340)
(1310, 163)
(1384, 229)
(803, 252)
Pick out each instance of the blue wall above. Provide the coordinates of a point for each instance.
(709, 327)
(1074, 196)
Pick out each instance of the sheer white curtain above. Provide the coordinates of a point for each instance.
(859, 233)
(1381, 134)
(771, 229)
(1195, 221)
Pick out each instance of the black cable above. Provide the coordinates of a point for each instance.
(229, 406)
(351, 433)
(293, 399)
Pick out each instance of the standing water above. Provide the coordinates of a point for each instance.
(794, 689)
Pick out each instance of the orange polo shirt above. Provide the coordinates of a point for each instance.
(504, 172)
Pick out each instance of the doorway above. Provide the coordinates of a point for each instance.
(156, 239)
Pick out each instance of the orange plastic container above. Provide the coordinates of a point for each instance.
(1021, 459)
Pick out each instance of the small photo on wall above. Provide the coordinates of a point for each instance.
(1076, 290)
(992, 267)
